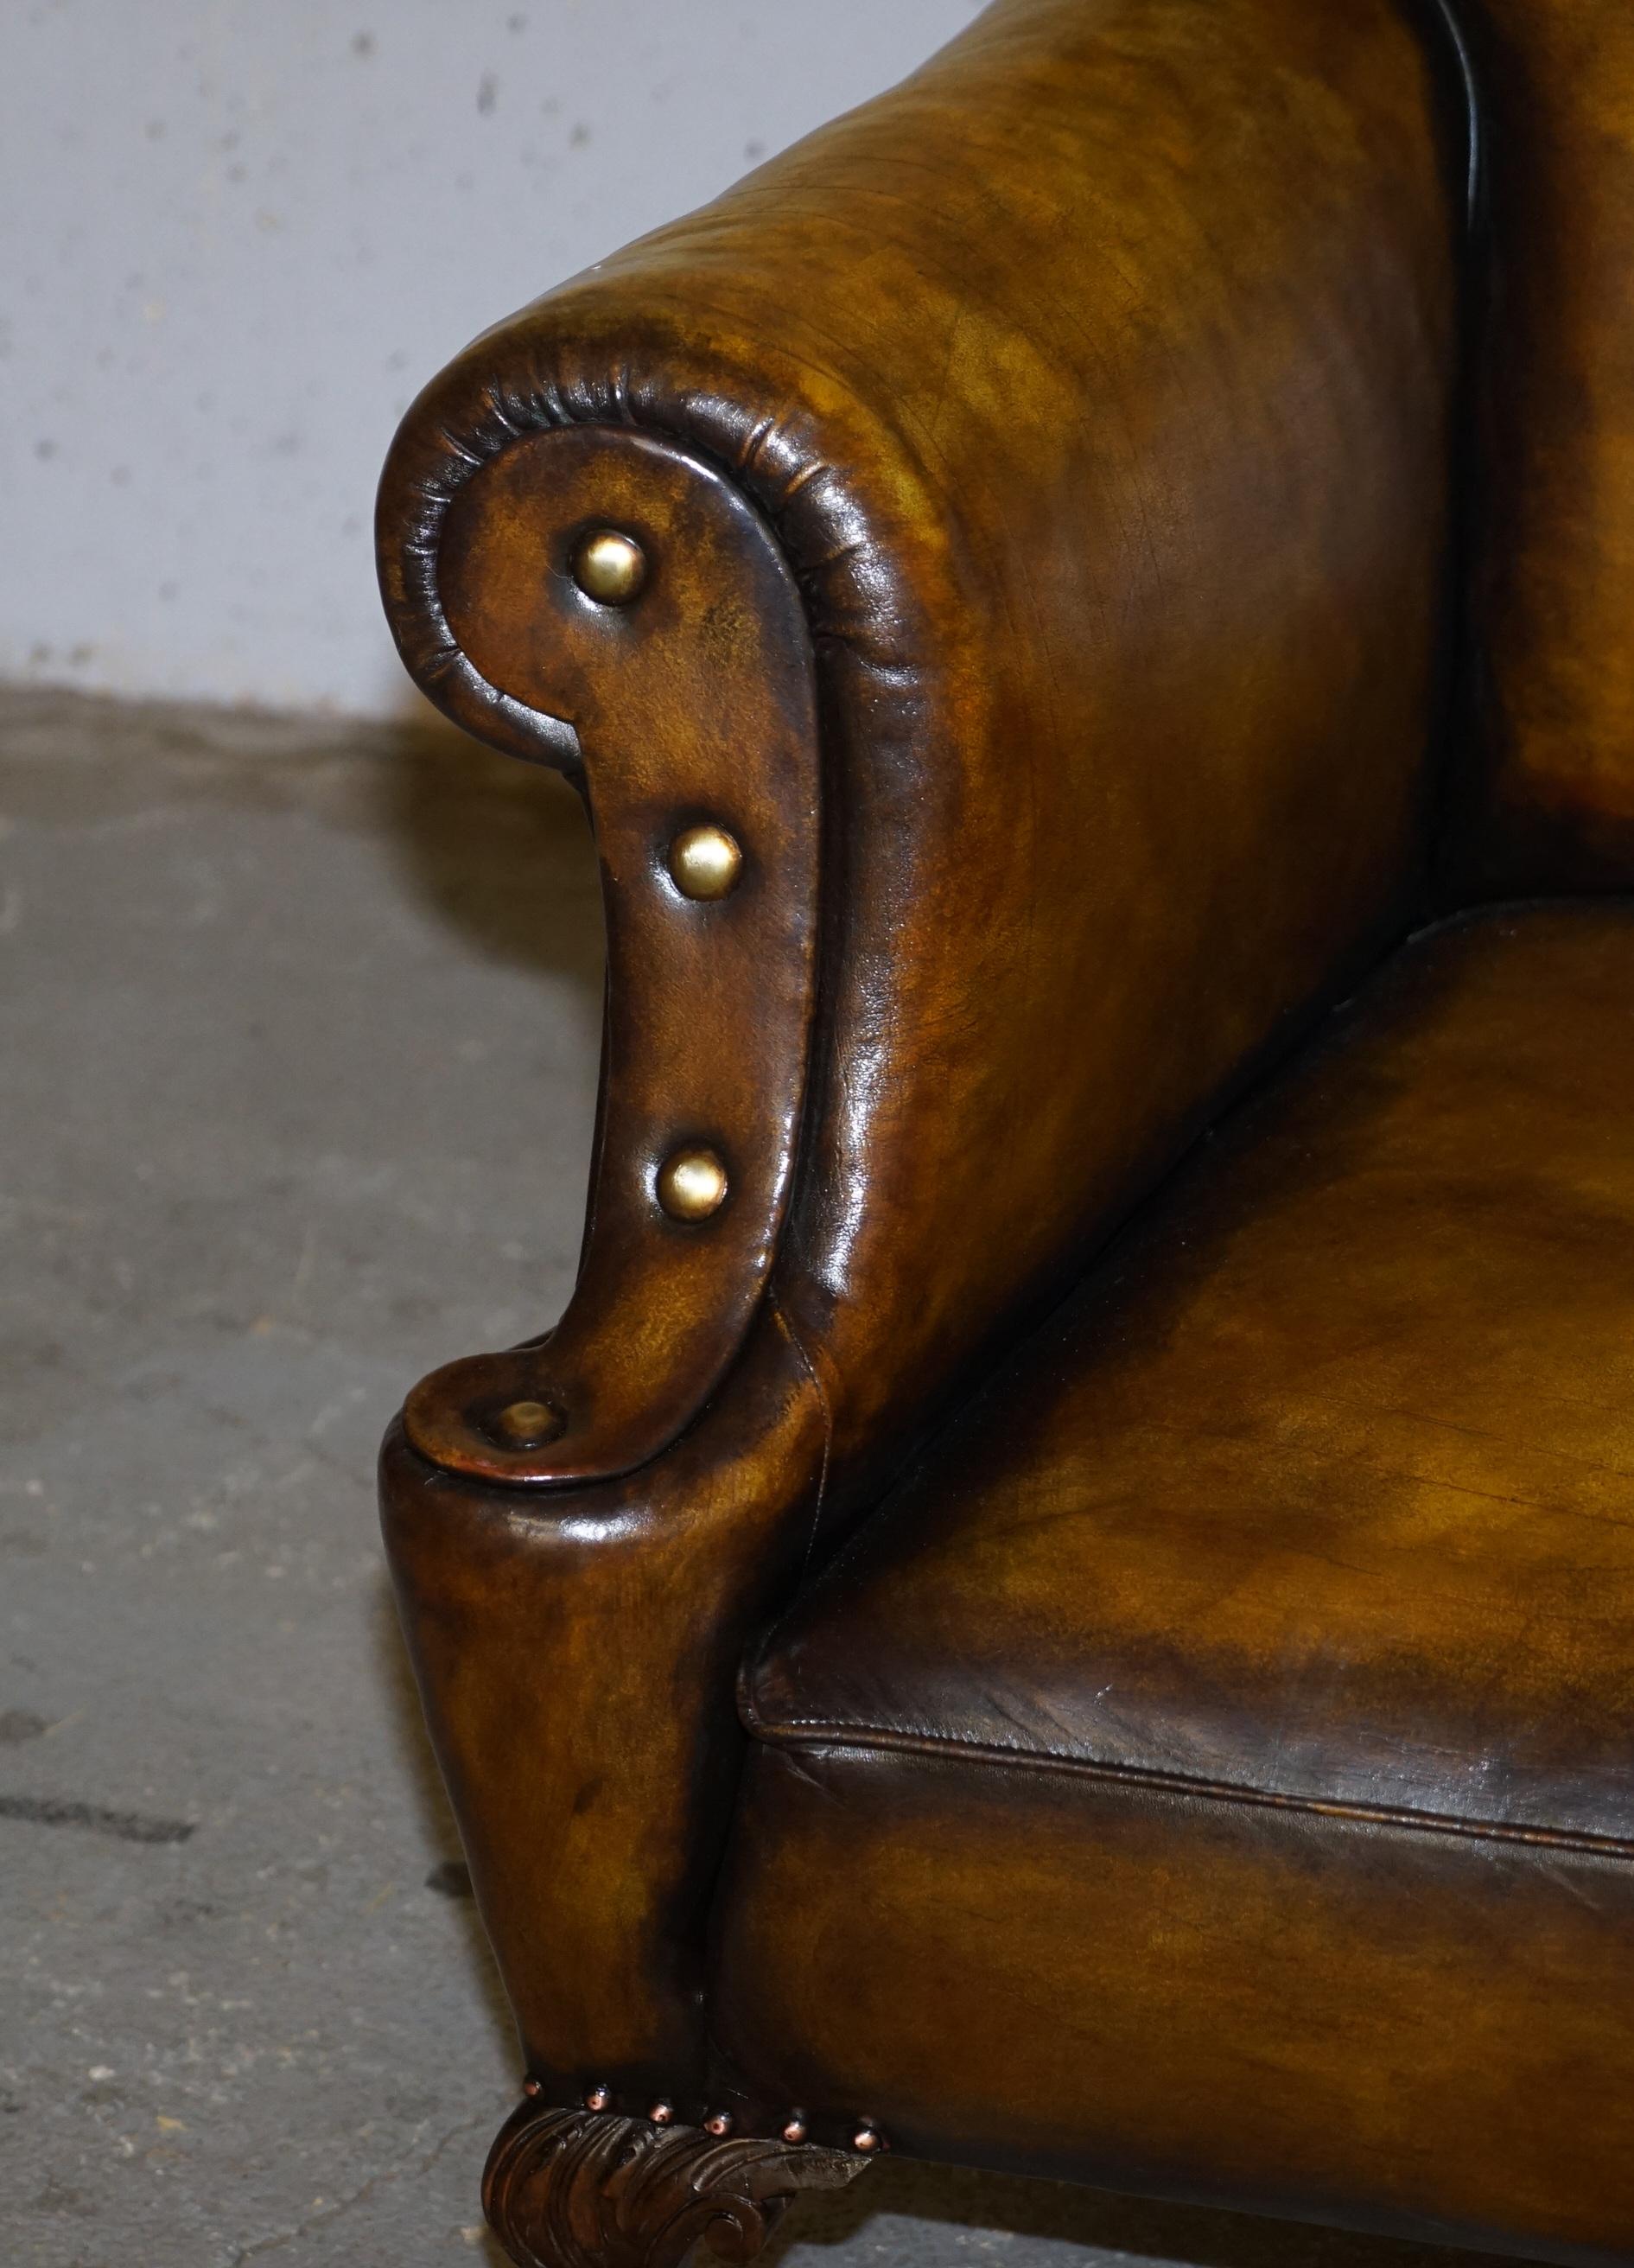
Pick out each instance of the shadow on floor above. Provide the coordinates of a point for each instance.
(501, 849)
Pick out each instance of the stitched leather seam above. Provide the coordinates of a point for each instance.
(814, 1732)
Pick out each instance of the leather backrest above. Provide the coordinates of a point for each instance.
(1546, 798)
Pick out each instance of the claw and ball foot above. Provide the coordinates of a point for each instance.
(583, 2188)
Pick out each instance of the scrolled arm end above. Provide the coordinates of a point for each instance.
(606, 600)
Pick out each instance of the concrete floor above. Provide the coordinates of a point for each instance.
(301, 1025)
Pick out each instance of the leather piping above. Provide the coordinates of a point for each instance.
(813, 1733)
(1445, 12)
(819, 529)
(1461, 671)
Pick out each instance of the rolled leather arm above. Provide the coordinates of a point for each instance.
(1037, 489)
(1081, 407)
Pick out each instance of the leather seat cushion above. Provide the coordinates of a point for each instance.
(1323, 1489)
(1212, 1771)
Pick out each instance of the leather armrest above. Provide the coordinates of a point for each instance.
(1081, 407)
(1041, 477)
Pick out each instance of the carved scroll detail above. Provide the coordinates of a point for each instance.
(581, 2189)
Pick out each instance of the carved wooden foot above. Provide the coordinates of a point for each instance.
(586, 2189)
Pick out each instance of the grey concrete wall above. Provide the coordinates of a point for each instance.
(236, 235)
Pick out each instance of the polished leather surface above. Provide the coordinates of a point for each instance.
(574, 1649)
(1100, 404)
(1391, 2027)
(1548, 798)
(1321, 1489)
(1212, 1771)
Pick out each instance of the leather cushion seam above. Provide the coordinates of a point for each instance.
(813, 1733)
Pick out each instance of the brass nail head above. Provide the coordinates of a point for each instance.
(718, 2123)
(662, 2114)
(599, 2098)
(532, 2086)
(692, 1184)
(705, 861)
(609, 567)
(795, 2131)
(867, 2139)
(529, 1425)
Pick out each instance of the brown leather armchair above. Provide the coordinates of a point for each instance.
(1062, 1595)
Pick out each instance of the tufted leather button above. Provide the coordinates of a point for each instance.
(705, 861)
(527, 1424)
(609, 568)
(692, 1184)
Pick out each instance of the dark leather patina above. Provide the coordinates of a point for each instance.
(1125, 555)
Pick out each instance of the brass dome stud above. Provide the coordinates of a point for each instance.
(609, 567)
(532, 2086)
(662, 2114)
(692, 1184)
(705, 863)
(598, 2098)
(529, 1425)
(795, 2129)
(867, 2139)
(718, 2123)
